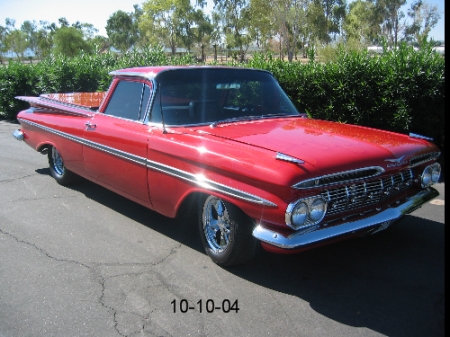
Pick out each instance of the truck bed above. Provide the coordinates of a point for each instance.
(74, 103)
(91, 100)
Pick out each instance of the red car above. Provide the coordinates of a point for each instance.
(228, 144)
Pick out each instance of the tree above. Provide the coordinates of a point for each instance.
(235, 15)
(291, 19)
(390, 16)
(13, 39)
(16, 41)
(29, 28)
(121, 30)
(172, 23)
(424, 17)
(316, 23)
(100, 44)
(3, 46)
(359, 24)
(159, 23)
(262, 24)
(69, 41)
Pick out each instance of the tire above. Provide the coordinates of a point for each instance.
(57, 169)
(226, 232)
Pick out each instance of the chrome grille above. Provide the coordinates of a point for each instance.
(364, 194)
(341, 177)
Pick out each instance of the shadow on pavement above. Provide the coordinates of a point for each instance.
(391, 283)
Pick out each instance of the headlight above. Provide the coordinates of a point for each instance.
(317, 210)
(426, 177)
(435, 173)
(305, 212)
(431, 175)
(299, 214)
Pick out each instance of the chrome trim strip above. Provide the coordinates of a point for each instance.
(18, 134)
(415, 135)
(150, 75)
(200, 180)
(301, 240)
(193, 178)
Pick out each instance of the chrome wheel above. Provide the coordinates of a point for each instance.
(57, 168)
(216, 224)
(226, 231)
(58, 164)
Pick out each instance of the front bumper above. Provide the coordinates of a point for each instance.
(372, 223)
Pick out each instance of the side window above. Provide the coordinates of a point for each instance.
(129, 100)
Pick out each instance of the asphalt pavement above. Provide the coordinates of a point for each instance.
(84, 261)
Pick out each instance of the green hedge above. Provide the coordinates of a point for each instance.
(400, 90)
(61, 74)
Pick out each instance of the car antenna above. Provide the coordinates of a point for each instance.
(161, 107)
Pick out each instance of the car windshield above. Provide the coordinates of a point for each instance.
(217, 95)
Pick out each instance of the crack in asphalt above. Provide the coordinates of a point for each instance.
(43, 251)
(17, 178)
(95, 269)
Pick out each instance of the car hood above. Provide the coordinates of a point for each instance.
(323, 144)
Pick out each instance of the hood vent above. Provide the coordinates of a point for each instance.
(417, 160)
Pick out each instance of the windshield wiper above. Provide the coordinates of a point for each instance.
(235, 119)
(251, 118)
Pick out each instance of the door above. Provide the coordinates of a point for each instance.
(115, 152)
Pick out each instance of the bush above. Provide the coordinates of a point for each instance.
(58, 73)
(400, 90)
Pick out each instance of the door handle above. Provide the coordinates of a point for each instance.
(89, 126)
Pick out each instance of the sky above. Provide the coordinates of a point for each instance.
(97, 12)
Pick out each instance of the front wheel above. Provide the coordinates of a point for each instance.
(226, 232)
(57, 169)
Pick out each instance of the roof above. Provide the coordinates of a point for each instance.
(150, 72)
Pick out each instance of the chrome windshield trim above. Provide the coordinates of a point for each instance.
(197, 179)
(302, 239)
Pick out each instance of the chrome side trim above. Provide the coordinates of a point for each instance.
(301, 240)
(200, 180)
(197, 179)
(18, 134)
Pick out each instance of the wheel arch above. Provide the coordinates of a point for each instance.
(44, 147)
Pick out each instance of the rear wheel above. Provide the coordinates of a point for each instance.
(226, 232)
(57, 169)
